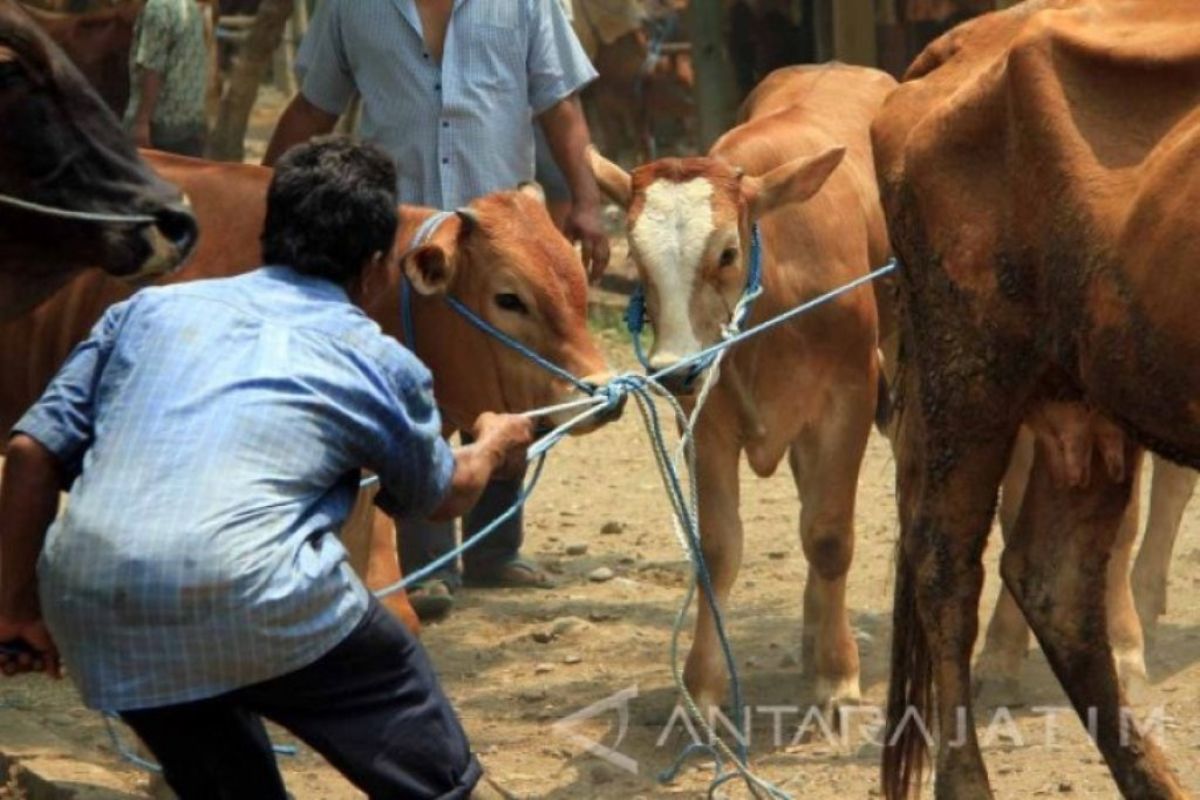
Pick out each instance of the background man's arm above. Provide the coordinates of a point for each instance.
(300, 121)
(150, 82)
(567, 134)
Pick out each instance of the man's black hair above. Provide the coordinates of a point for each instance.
(330, 207)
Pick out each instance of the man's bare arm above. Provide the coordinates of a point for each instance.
(500, 442)
(150, 84)
(300, 121)
(567, 134)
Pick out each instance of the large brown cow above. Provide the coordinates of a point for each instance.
(503, 245)
(1039, 172)
(64, 152)
(806, 390)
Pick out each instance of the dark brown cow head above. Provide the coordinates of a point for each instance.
(61, 148)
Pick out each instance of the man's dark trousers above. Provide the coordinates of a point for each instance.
(372, 706)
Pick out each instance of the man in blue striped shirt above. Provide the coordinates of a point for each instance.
(211, 435)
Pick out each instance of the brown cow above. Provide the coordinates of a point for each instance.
(503, 244)
(635, 90)
(62, 150)
(1039, 174)
(806, 390)
(96, 36)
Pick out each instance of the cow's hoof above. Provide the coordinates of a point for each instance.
(833, 695)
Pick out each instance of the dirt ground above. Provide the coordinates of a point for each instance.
(517, 662)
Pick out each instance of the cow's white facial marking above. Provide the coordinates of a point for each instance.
(669, 239)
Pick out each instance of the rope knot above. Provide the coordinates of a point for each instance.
(618, 389)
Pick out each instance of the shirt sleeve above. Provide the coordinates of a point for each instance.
(156, 35)
(414, 463)
(63, 419)
(328, 81)
(558, 66)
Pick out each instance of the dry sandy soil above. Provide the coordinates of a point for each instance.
(516, 662)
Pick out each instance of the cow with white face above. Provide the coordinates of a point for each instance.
(799, 167)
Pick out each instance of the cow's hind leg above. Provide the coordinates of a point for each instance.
(825, 462)
(721, 542)
(1170, 491)
(998, 668)
(946, 511)
(1056, 566)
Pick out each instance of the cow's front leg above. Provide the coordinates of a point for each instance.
(721, 540)
(1170, 491)
(1057, 568)
(825, 461)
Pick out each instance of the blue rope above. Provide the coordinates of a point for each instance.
(706, 355)
(445, 559)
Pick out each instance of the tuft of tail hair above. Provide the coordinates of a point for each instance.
(910, 690)
(883, 406)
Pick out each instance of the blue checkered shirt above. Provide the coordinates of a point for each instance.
(215, 431)
(459, 130)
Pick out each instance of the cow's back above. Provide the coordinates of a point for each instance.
(228, 201)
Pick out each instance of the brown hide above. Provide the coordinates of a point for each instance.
(97, 41)
(1039, 174)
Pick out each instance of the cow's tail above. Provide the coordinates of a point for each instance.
(883, 405)
(910, 693)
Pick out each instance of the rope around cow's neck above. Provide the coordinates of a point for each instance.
(100, 217)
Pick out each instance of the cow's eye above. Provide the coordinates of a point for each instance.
(507, 301)
(728, 257)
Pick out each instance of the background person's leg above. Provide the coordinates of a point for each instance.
(504, 544)
(210, 750)
(421, 542)
(373, 707)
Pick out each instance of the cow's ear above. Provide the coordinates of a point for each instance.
(614, 181)
(430, 269)
(793, 182)
(431, 266)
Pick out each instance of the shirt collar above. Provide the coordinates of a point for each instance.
(310, 285)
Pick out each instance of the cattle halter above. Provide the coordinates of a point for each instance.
(100, 217)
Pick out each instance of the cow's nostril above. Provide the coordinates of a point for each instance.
(178, 226)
